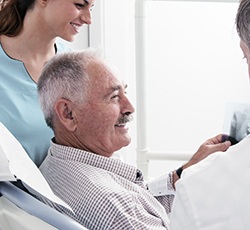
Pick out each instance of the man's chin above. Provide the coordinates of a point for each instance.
(125, 142)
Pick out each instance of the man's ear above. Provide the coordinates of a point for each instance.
(63, 109)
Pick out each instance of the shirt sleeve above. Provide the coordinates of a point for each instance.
(162, 185)
(162, 189)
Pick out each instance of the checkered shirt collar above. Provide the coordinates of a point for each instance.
(113, 165)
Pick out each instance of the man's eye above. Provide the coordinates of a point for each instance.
(79, 5)
(115, 96)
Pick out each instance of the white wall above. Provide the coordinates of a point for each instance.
(199, 69)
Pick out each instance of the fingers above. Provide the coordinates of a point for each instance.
(217, 139)
(220, 147)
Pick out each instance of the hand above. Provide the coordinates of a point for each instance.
(210, 146)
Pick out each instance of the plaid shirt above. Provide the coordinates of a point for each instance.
(104, 193)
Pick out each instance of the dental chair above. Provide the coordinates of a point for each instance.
(20, 182)
(20, 210)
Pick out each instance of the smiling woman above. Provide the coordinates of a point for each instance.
(27, 41)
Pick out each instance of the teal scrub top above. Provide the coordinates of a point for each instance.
(20, 110)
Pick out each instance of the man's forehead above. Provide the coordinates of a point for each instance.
(105, 72)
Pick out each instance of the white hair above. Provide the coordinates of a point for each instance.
(65, 76)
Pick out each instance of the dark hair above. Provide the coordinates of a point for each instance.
(243, 21)
(12, 13)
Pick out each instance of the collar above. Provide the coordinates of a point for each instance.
(110, 164)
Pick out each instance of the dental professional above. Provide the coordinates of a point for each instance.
(28, 32)
(214, 194)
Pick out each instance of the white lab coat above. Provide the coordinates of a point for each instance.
(215, 194)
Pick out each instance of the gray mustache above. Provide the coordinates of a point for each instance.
(125, 118)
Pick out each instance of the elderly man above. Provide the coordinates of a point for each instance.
(86, 105)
